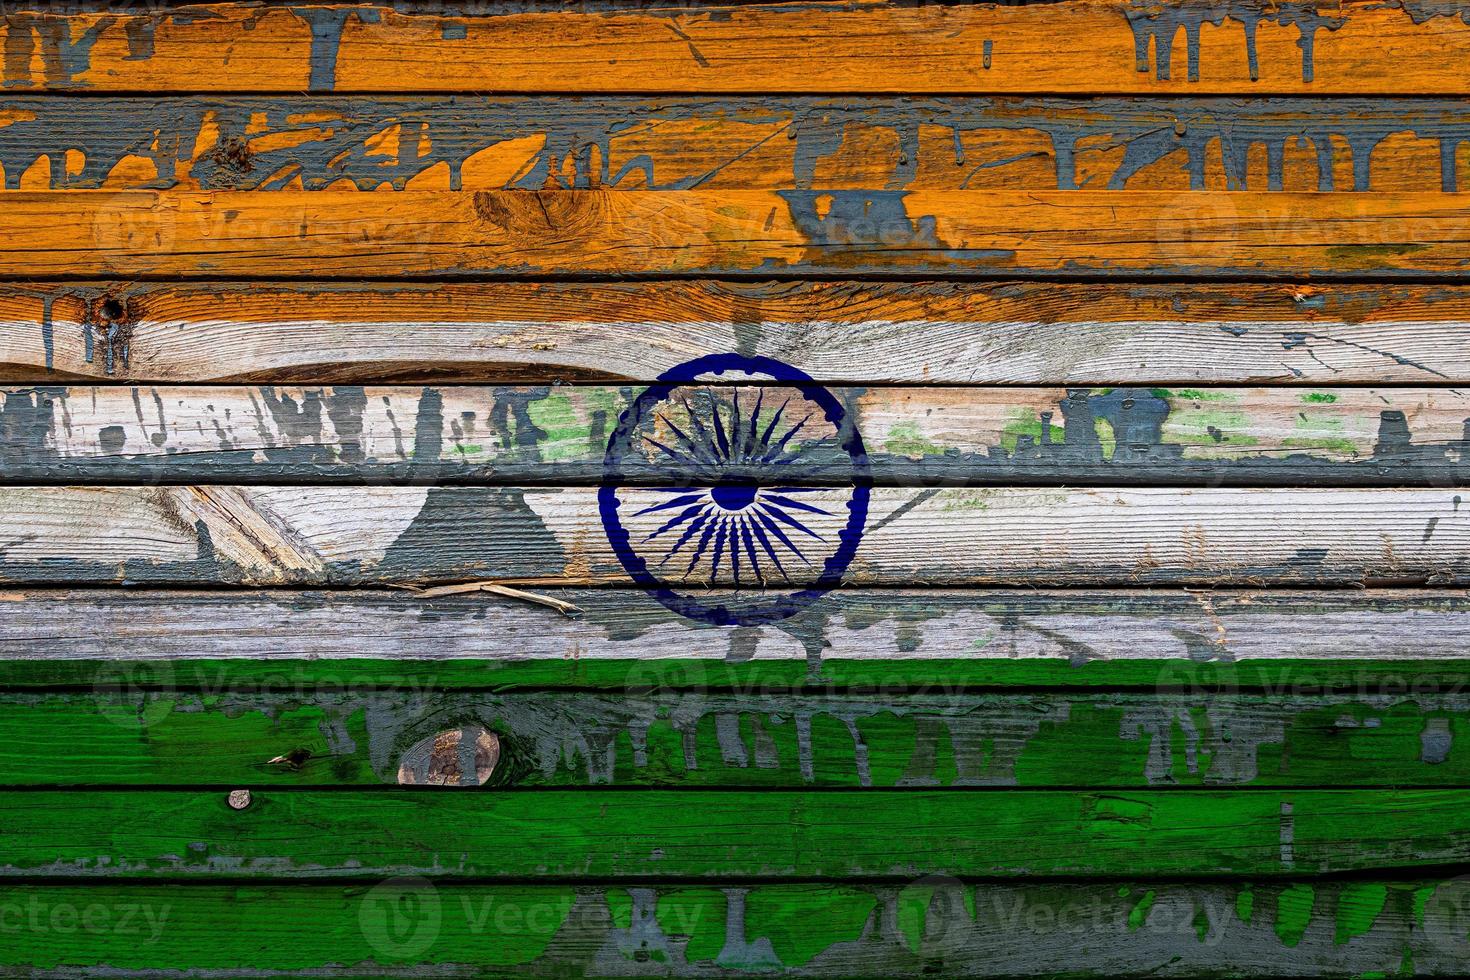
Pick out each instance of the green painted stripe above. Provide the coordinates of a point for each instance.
(693, 740)
(925, 927)
(723, 835)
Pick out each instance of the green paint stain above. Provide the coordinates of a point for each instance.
(603, 400)
(555, 416)
(904, 439)
(915, 904)
(887, 728)
(1293, 913)
(1196, 395)
(696, 917)
(1139, 914)
(967, 500)
(1421, 898)
(1245, 903)
(1227, 422)
(1318, 398)
(567, 427)
(788, 924)
(1201, 923)
(620, 908)
(1358, 907)
(913, 912)
(1023, 423)
(468, 449)
(1208, 429)
(1106, 436)
(1345, 447)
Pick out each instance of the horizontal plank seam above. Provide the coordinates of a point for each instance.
(930, 275)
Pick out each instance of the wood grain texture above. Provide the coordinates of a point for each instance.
(903, 642)
(1137, 928)
(692, 740)
(909, 143)
(600, 232)
(923, 332)
(729, 835)
(937, 536)
(1106, 45)
(553, 434)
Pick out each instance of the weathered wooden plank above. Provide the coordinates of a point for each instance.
(1244, 47)
(524, 232)
(557, 434)
(459, 143)
(918, 928)
(938, 536)
(1286, 643)
(925, 332)
(687, 740)
(729, 835)
(912, 929)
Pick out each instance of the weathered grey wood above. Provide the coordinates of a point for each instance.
(1293, 642)
(919, 928)
(557, 434)
(937, 536)
(951, 333)
(686, 740)
(634, 143)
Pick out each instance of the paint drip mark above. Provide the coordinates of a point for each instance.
(1160, 25)
(63, 57)
(699, 59)
(48, 333)
(327, 24)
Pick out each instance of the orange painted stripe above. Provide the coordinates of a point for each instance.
(1080, 46)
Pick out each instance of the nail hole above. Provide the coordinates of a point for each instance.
(112, 309)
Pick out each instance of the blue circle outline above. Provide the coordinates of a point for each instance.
(848, 538)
